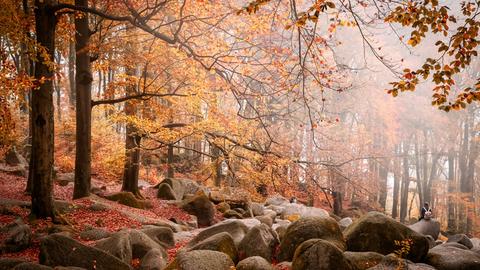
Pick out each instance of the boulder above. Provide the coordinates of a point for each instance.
(250, 222)
(159, 234)
(378, 233)
(363, 260)
(257, 209)
(9, 263)
(461, 239)
(232, 214)
(204, 260)
(344, 223)
(14, 158)
(319, 254)
(427, 227)
(261, 241)
(128, 199)
(201, 207)
(276, 208)
(177, 186)
(31, 266)
(223, 207)
(63, 179)
(222, 242)
(293, 211)
(283, 266)
(94, 234)
(235, 228)
(98, 207)
(265, 220)
(451, 256)
(153, 260)
(56, 249)
(276, 200)
(308, 228)
(475, 243)
(235, 197)
(254, 263)
(165, 192)
(117, 245)
(18, 237)
(270, 213)
(392, 262)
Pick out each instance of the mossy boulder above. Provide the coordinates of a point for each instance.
(203, 260)
(378, 233)
(128, 199)
(261, 241)
(222, 242)
(201, 207)
(453, 256)
(254, 263)
(319, 254)
(363, 260)
(309, 228)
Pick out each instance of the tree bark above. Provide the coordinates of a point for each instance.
(452, 222)
(83, 87)
(42, 115)
(71, 72)
(405, 185)
(396, 184)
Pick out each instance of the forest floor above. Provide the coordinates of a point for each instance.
(80, 216)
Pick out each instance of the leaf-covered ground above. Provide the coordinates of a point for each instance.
(80, 216)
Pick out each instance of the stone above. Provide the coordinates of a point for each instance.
(31, 266)
(378, 233)
(63, 179)
(204, 260)
(10, 263)
(129, 244)
(261, 241)
(431, 241)
(283, 266)
(222, 242)
(201, 207)
(461, 239)
(393, 262)
(63, 207)
(232, 214)
(128, 199)
(98, 207)
(257, 209)
(235, 228)
(94, 234)
(453, 256)
(344, 223)
(165, 192)
(153, 260)
(265, 220)
(427, 227)
(250, 222)
(319, 254)
(309, 228)
(276, 200)
(363, 260)
(272, 214)
(161, 235)
(14, 158)
(56, 249)
(18, 236)
(223, 207)
(177, 187)
(254, 263)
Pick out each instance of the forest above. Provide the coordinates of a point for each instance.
(239, 134)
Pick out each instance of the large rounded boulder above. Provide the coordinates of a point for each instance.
(261, 241)
(254, 263)
(378, 233)
(309, 228)
(201, 207)
(203, 260)
(222, 242)
(57, 249)
(318, 254)
(363, 260)
(453, 256)
(427, 227)
(235, 228)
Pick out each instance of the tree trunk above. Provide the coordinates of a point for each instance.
(396, 184)
(405, 185)
(83, 87)
(71, 71)
(383, 175)
(218, 165)
(42, 115)
(170, 169)
(452, 222)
